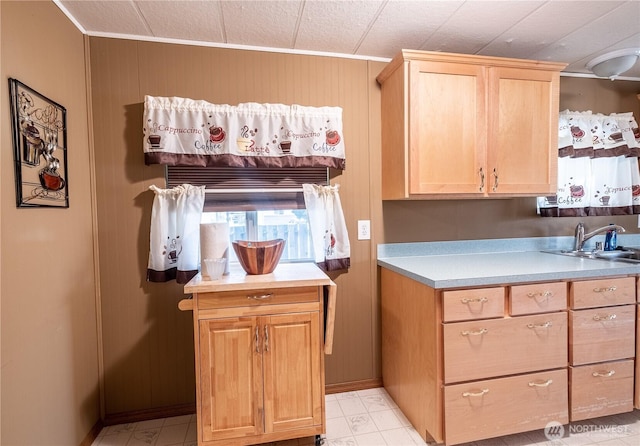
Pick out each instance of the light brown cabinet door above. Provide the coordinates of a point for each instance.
(292, 371)
(447, 128)
(231, 392)
(522, 131)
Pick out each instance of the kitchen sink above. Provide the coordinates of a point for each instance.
(621, 254)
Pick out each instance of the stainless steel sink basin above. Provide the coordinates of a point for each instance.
(627, 255)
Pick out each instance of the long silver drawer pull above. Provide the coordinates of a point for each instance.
(545, 325)
(474, 332)
(266, 338)
(480, 393)
(261, 297)
(545, 294)
(605, 374)
(604, 290)
(467, 300)
(604, 317)
(542, 384)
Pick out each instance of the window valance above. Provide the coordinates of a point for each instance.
(187, 132)
(598, 171)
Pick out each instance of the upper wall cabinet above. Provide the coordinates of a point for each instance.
(468, 126)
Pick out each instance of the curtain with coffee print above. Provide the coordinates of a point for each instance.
(598, 172)
(187, 132)
(328, 229)
(174, 241)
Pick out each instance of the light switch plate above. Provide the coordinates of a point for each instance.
(364, 230)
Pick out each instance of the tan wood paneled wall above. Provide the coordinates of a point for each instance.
(148, 351)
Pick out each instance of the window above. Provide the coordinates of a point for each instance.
(258, 203)
(292, 225)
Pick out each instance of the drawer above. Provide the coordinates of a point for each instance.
(244, 298)
(637, 395)
(494, 347)
(602, 334)
(602, 292)
(503, 406)
(538, 298)
(461, 305)
(601, 389)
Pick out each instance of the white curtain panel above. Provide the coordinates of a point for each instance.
(174, 249)
(328, 229)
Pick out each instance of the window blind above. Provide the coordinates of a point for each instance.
(245, 188)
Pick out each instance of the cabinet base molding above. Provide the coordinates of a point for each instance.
(353, 386)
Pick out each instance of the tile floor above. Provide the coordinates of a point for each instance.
(371, 418)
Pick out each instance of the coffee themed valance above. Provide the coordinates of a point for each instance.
(187, 132)
(598, 169)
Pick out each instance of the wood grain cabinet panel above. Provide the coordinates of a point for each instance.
(503, 406)
(602, 334)
(229, 355)
(602, 292)
(637, 374)
(538, 298)
(468, 126)
(483, 303)
(266, 296)
(494, 347)
(601, 389)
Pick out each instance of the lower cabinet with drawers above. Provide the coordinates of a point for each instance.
(602, 328)
(471, 364)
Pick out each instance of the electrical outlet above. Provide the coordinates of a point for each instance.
(364, 230)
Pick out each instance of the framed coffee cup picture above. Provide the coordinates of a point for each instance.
(40, 148)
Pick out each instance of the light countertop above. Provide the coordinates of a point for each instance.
(496, 262)
(284, 276)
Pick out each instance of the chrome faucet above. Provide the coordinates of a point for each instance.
(581, 237)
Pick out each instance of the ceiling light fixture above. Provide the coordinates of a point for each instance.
(615, 63)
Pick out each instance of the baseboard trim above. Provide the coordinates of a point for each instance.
(352, 386)
(149, 414)
(93, 434)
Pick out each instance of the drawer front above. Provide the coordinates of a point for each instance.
(495, 347)
(461, 305)
(538, 298)
(503, 406)
(602, 292)
(601, 389)
(637, 395)
(601, 334)
(273, 296)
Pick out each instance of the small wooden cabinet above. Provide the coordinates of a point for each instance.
(468, 126)
(259, 355)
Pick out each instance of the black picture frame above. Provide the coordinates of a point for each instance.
(39, 127)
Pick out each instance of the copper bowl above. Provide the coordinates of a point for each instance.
(259, 257)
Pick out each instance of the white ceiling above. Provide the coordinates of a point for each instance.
(567, 31)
